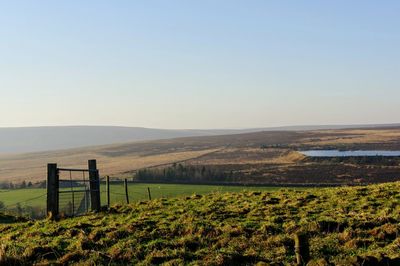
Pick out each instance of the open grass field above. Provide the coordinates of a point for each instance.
(345, 226)
(138, 191)
(29, 196)
(36, 197)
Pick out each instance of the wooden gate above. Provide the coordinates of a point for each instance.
(71, 196)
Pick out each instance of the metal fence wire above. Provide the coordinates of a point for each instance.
(25, 209)
(74, 192)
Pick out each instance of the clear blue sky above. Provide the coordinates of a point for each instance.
(199, 64)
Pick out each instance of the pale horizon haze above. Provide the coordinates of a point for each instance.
(199, 64)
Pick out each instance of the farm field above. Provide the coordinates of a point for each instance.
(36, 197)
(345, 226)
(138, 191)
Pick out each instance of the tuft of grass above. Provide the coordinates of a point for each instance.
(344, 225)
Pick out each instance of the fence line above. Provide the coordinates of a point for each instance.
(117, 191)
(22, 209)
(25, 201)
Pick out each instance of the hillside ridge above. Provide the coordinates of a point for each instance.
(50, 138)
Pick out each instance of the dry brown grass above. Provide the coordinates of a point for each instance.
(354, 136)
(250, 156)
(238, 150)
(33, 166)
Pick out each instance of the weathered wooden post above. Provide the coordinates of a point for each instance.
(126, 190)
(108, 190)
(52, 190)
(148, 191)
(302, 248)
(94, 185)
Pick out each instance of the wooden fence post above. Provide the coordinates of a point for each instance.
(94, 185)
(148, 191)
(126, 190)
(52, 190)
(108, 190)
(302, 248)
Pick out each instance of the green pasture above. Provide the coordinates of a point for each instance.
(139, 191)
(343, 225)
(28, 196)
(36, 197)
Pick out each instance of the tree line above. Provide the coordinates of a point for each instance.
(23, 184)
(185, 173)
(364, 160)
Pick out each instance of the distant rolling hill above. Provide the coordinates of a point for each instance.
(240, 152)
(34, 139)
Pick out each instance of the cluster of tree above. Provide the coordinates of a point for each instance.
(185, 173)
(23, 184)
(11, 185)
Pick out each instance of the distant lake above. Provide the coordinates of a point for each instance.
(337, 153)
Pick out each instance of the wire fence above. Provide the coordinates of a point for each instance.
(27, 207)
(119, 193)
(74, 192)
(32, 203)
(74, 199)
(74, 204)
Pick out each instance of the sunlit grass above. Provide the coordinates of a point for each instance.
(220, 228)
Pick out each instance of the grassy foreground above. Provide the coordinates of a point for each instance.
(36, 197)
(220, 229)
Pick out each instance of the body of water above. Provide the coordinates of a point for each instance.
(337, 153)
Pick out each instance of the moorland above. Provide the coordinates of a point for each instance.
(269, 157)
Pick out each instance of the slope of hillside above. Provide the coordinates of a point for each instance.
(119, 158)
(346, 226)
(34, 139)
(259, 157)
